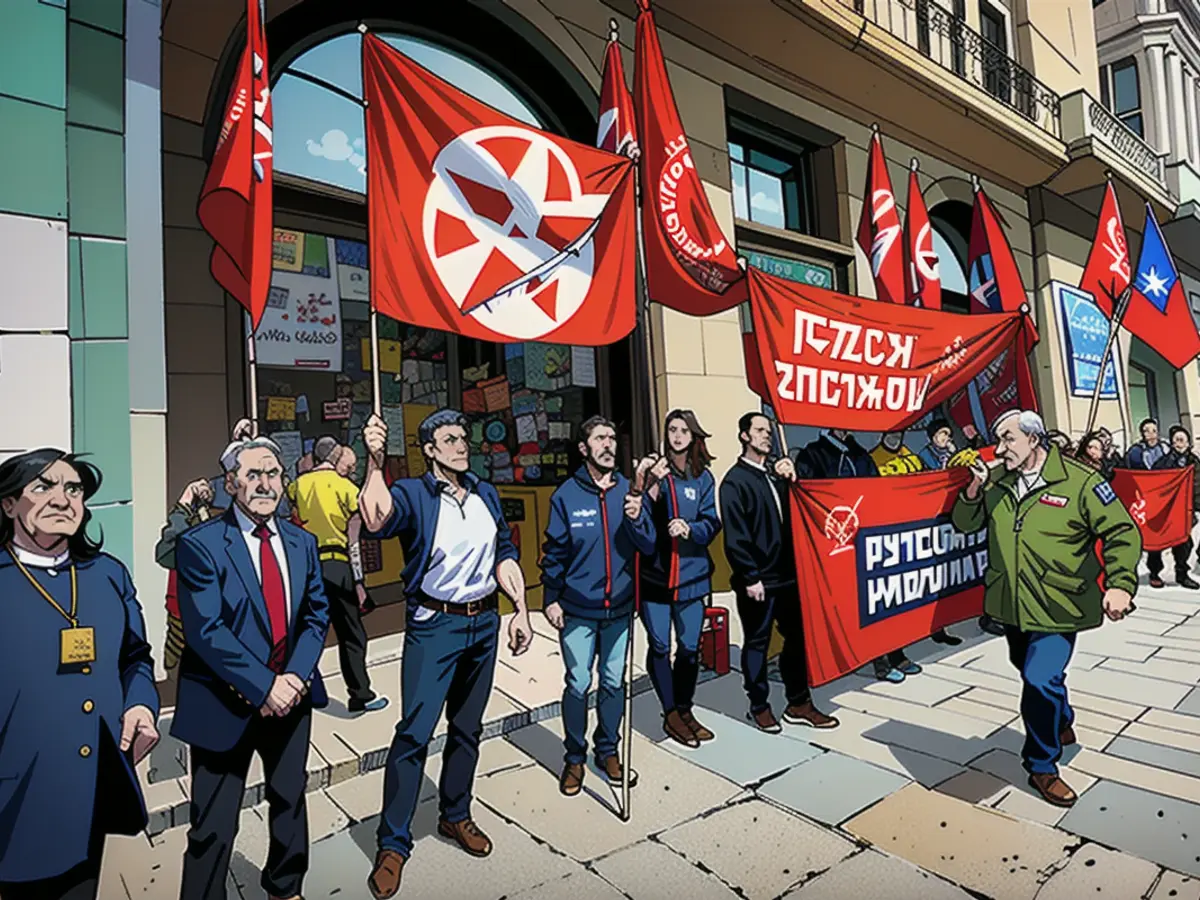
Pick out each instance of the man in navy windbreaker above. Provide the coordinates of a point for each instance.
(596, 529)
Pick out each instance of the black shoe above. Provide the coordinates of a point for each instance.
(944, 637)
(991, 626)
(1156, 582)
(1185, 581)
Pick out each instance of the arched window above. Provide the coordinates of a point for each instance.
(951, 222)
(319, 129)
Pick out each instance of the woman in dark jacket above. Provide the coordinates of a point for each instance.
(677, 578)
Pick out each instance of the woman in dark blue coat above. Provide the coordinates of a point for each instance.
(78, 705)
(677, 578)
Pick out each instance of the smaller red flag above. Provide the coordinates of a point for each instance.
(1108, 272)
(690, 266)
(921, 260)
(1160, 504)
(614, 132)
(879, 228)
(235, 201)
(995, 279)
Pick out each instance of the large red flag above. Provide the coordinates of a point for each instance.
(1159, 502)
(235, 201)
(690, 267)
(614, 131)
(879, 227)
(834, 361)
(1107, 273)
(924, 285)
(484, 226)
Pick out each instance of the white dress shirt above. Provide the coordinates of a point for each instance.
(247, 526)
(462, 559)
(1028, 482)
(41, 561)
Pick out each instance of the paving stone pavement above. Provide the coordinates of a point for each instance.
(919, 793)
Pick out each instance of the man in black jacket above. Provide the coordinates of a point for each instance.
(1179, 456)
(756, 511)
(836, 454)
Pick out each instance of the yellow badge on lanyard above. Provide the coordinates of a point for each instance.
(78, 646)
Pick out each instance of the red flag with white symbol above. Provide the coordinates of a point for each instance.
(1108, 272)
(235, 205)
(690, 267)
(921, 260)
(995, 280)
(487, 227)
(879, 228)
(615, 130)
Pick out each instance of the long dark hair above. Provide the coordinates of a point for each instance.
(698, 457)
(19, 472)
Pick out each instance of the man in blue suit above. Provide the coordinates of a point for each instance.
(254, 612)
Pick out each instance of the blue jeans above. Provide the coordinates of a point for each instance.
(448, 661)
(1042, 659)
(675, 686)
(584, 642)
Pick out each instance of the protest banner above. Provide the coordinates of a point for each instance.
(1160, 504)
(834, 361)
(881, 565)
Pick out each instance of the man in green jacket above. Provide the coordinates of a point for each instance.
(1044, 514)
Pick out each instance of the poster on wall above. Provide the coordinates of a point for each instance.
(1084, 331)
(302, 325)
(352, 270)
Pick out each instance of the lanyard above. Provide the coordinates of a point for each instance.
(70, 617)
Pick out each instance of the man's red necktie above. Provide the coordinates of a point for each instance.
(273, 593)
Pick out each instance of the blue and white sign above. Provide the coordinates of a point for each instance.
(1084, 330)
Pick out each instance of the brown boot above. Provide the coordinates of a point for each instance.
(1053, 789)
(807, 714)
(701, 733)
(678, 731)
(765, 720)
(615, 773)
(570, 782)
(1067, 737)
(384, 881)
(467, 835)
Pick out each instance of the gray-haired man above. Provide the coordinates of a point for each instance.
(458, 554)
(254, 612)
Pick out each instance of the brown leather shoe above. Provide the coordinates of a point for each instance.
(1053, 789)
(765, 720)
(1067, 737)
(1156, 582)
(701, 733)
(678, 731)
(384, 881)
(467, 835)
(615, 772)
(570, 782)
(807, 714)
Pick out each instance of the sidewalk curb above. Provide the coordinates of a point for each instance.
(175, 812)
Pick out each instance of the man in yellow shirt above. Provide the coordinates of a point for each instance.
(892, 457)
(325, 501)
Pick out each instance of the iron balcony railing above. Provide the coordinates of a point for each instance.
(947, 40)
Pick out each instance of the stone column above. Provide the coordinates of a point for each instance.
(1155, 91)
(1176, 114)
(1190, 84)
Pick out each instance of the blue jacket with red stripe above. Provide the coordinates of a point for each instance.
(683, 565)
(588, 557)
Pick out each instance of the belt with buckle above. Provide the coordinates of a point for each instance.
(474, 608)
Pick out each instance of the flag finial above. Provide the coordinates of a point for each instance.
(975, 183)
(1108, 174)
(916, 164)
(614, 30)
(875, 128)
(362, 27)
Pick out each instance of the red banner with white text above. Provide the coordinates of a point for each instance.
(881, 566)
(1159, 502)
(834, 361)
